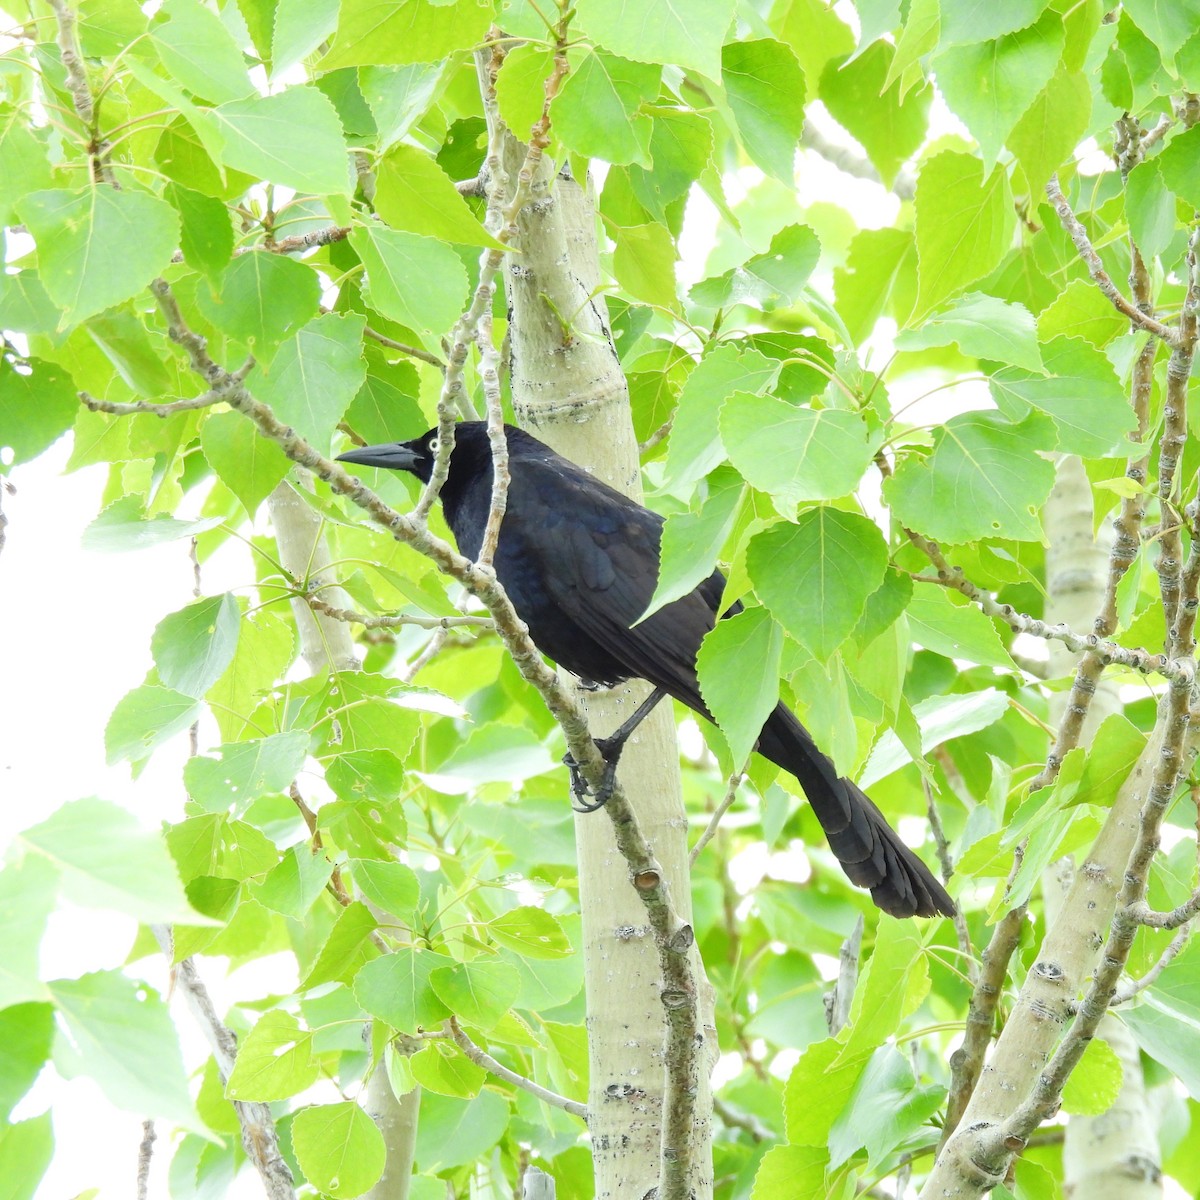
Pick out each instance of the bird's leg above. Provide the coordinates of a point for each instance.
(610, 748)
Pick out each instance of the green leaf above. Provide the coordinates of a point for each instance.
(644, 264)
(815, 32)
(243, 771)
(301, 26)
(266, 646)
(447, 1071)
(347, 948)
(315, 375)
(214, 845)
(192, 647)
(692, 541)
(892, 986)
(120, 1034)
(796, 454)
(766, 280)
(339, 1148)
(26, 1032)
(1167, 23)
(661, 31)
(247, 463)
(886, 1107)
(765, 88)
(479, 992)
(294, 883)
(26, 1149)
(1081, 311)
(532, 932)
(413, 193)
(964, 225)
(454, 1132)
(415, 280)
(366, 774)
(967, 21)
(823, 1069)
(981, 327)
(372, 32)
(1180, 165)
(989, 85)
(36, 409)
(521, 86)
(97, 246)
(939, 719)
(1093, 1086)
(1051, 128)
(695, 448)
(260, 136)
(681, 146)
(786, 1171)
(107, 859)
(597, 113)
(1150, 209)
(955, 627)
(391, 886)
(199, 52)
(146, 718)
(1091, 410)
(398, 96)
(122, 527)
(890, 125)
(123, 339)
(880, 275)
(396, 989)
(985, 477)
(262, 299)
(24, 164)
(28, 894)
(24, 305)
(815, 576)
(738, 665)
(274, 1061)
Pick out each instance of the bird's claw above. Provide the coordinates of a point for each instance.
(580, 788)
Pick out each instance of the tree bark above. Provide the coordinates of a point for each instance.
(569, 390)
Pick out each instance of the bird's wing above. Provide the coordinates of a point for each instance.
(599, 555)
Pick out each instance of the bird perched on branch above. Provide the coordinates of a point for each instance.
(579, 562)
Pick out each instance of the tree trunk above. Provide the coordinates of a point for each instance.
(569, 390)
(1115, 1155)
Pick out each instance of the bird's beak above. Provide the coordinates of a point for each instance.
(395, 456)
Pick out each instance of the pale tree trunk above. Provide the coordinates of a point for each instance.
(326, 642)
(569, 390)
(1113, 1156)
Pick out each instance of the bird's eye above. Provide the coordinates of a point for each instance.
(435, 445)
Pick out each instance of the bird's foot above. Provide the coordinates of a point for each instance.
(581, 789)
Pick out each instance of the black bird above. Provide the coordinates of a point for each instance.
(580, 562)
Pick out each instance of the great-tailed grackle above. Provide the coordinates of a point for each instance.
(580, 562)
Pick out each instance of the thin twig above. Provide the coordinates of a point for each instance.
(404, 348)
(1079, 235)
(731, 789)
(353, 617)
(207, 400)
(259, 1135)
(306, 241)
(1131, 987)
(657, 436)
(847, 159)
(736, 1118)
(839, 998)
(144, 1159)
(481, 1058)
(942, 843)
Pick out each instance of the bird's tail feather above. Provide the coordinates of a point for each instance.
(869, 849)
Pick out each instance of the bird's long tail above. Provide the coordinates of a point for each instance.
(869, 849)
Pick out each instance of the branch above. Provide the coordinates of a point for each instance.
(847, 159)
(481, 1058)
(735, 1118)
(259, 1136)
(305, 241)
(1079, 235)
(838, 999)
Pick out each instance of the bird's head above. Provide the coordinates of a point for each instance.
(415, 456)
